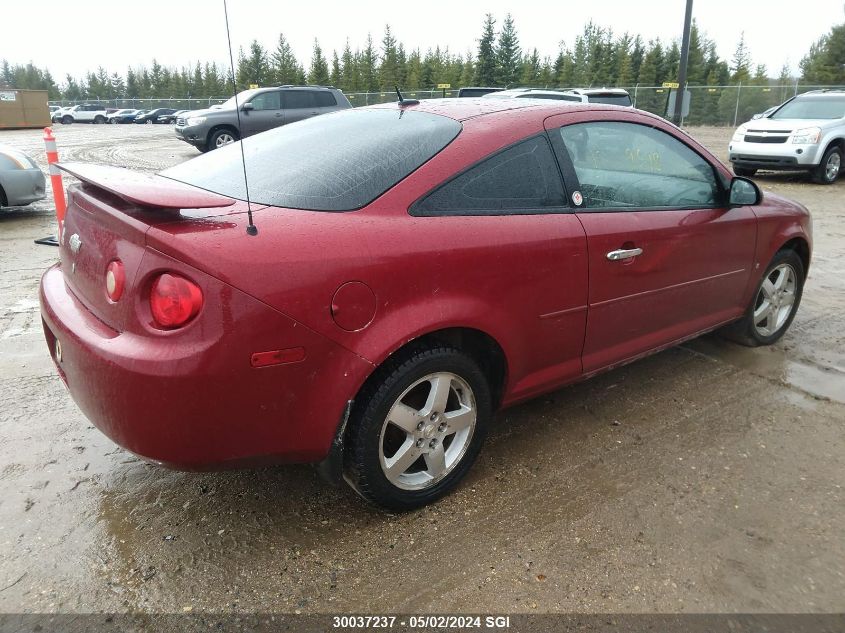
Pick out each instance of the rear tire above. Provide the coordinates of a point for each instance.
(417, 427)
(828, 170)
(99, 119)
(67, 120)
(745, 172)
(774, 304)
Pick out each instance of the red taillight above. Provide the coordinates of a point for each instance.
(115, 280)
(174, 300)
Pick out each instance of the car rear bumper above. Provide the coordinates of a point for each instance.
(198, 403)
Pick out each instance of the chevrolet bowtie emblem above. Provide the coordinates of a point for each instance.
(75, 243)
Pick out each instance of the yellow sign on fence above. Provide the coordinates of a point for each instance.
(253, 86)
(671, 84)
(444, 86)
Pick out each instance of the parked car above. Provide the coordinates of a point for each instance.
(170, 118)
(126, 115)
(56, 115)
(475, 91)
(261, 109)
(85, 113)
(806, 133)
(415, 268)
(609, 96)
(151, 116)
(21, 180)
(54, 109)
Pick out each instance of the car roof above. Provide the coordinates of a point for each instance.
(600, 91)
(463, 109)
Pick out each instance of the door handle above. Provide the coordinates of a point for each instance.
(625, 253)
(279, 114)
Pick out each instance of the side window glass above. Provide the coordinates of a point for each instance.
(266, 101)
(324, 99)
(299, 99)
(522, 179)
(629, 165)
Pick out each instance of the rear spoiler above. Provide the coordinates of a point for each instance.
(145, 190)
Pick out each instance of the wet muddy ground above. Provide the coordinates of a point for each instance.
(705, 478)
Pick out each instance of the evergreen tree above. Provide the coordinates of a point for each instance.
(318, 73)
(508, 58)
(334, 76)
(485, 65)
(284, 67)
(253, 69)
(350, 80)
(367, 65)
(388, 69)
(825, 61)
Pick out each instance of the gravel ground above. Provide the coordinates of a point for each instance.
(720, 490)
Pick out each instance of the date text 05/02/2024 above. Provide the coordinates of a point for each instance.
(421, 621)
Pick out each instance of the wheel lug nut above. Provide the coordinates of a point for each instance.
(442, 427)
(420, 426)
(420, 443)
(433, 417)
(432, 444)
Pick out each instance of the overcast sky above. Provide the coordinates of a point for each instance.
(73, 37)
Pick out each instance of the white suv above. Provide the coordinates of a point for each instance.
(610, 96)
(807, 133)
(87, 113)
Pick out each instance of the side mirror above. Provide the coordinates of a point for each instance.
(247, 107)
(744, 193)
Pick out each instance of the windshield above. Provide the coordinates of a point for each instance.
(823, 107)
(242, 97)
(334, 162)
(610, 99)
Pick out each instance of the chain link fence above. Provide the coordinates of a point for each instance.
(707, 105)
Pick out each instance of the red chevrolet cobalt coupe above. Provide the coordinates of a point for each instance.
(416, 268)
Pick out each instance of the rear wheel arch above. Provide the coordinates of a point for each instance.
(479, 345)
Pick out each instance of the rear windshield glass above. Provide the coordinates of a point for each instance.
(619, 100)
(827, 107)
(333, 162)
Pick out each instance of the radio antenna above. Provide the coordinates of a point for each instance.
(251, 229)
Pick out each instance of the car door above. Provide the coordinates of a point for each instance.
(502, 233)
(266, 113)
(668, 257)
(299, 105)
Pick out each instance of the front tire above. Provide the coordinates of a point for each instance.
(828, 170)
(99, 119)
(775, 302)
(222, 137)
(417, 428)
(745, 172)
(67, 120)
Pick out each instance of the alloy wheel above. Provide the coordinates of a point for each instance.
(224, 139)
(775, 300)
(832, 166)
(427, 431)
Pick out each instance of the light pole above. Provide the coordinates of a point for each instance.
(682, 70)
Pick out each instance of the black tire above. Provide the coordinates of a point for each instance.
(364, 443)
(4, 202)
(745, 172)
(99, 119)
(829, 168)
(202, 148)
(67, 120)
(216, 134)
(744, 330)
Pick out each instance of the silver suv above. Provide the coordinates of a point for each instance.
(261, 109)
(806, 133)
